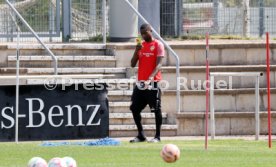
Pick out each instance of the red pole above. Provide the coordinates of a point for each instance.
(268, 89)
(207, 91)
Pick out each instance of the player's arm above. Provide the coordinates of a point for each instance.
(135, 56)
(160, 56)
(157, 68)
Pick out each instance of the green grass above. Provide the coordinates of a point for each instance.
(221, 153)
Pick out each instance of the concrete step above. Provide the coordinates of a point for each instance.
(113, 83)
(62, 49)
(120, 107)
(123, 107)
(117, 72)
(226, 123)
(191, 77)
(119, 95)
(127, 118)
(131, 130)
(194, 77)
(12, 71)
(63, 61)
(238, 100)
(193, 53)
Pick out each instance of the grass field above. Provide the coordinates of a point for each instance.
(221, 153)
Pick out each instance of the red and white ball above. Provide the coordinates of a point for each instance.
(57, 162)
(70, 162)
(37, 162)
(170, 153)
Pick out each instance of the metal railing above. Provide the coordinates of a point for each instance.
(16, 13)
(257, 76)
(170, 50)
(35, 35)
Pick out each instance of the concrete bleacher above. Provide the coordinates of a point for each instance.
(234, 107)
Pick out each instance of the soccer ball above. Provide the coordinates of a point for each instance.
(37, 162)
(57, 162)
(70, 162)
(170, 153)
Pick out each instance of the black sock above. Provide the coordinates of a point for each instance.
(141, 135)
(158, 123)
(137, 119)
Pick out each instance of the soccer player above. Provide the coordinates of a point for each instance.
(149, 55)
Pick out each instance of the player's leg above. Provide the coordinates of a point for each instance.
(154, 100)
(137, 105)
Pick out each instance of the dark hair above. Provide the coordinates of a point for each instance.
(145, 27)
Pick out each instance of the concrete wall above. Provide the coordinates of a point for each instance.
(193, 124)
(221, 53)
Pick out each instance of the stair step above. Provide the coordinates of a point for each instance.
(117, 72)
(9, 71)
(127, 118)
(122, 107)
(76, 70)
(64, 61)
(131, 130)
(146, 127)
(62, 58)
(110, 81)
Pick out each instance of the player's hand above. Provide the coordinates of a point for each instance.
(138, 44)
(138, 47)
(148, 83)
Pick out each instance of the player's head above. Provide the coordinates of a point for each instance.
(146, 32)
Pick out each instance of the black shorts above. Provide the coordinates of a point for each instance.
(143, 97)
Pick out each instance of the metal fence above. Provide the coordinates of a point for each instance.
(221, 17)
(42, 15)
(85, 20)
(88, 20)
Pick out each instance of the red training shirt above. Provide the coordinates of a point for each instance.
(147, 59)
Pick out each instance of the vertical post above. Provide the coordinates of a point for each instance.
(104, 20)
(92, 17)
(67, 20)
(153, 16)
(268, 89)
(215, 20)
(212, 108)
(11, 25)
(180, 17)
(51, 20)
(246, 18)
(175, 17)
(207, 91)
(261, 18)
(17, 88)
(257, 108)
(121, 14)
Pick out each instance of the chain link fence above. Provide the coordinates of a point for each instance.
(42, 15)
(249, 18)
(88, 20)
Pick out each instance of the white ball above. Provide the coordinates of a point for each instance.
(170, 153)
(70, 162)
(37, 162)
(57, 162)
